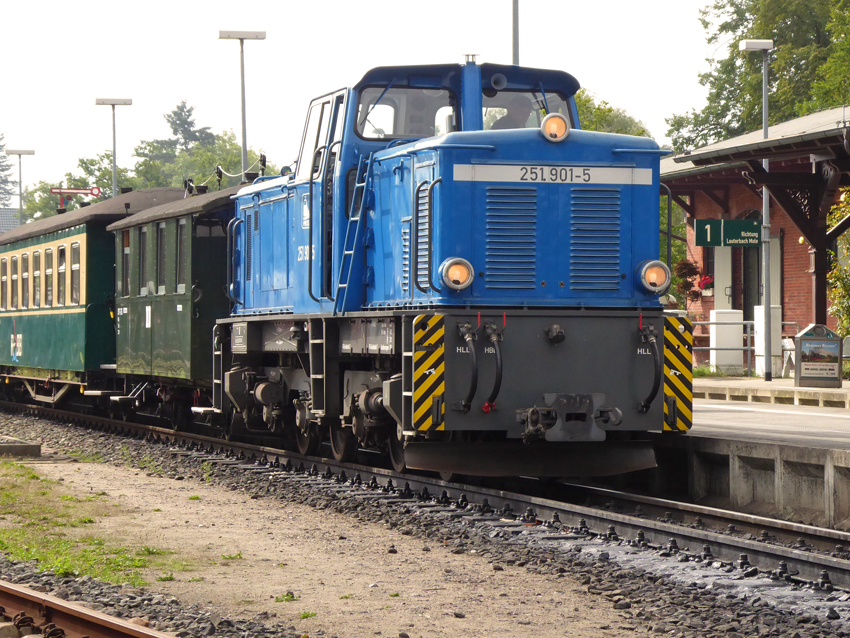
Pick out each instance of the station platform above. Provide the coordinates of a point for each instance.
(780, 390)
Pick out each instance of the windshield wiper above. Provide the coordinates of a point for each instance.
(375, 103)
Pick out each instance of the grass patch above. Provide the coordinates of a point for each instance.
(395, 595)
(39, 517)
(307, 614)
(198, 579)
(147, 550)
(207, 468)
(150, 465)
(346, 596)
(156, 509)
(194, 497)
(288, 597)
(166, 578)
(86, 457)
(236, 556)
(706, 371)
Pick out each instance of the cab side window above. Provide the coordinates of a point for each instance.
(315, 134)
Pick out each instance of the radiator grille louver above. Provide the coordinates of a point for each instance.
(405, 259)
(595, 239)
(421, 213)
(511, 238)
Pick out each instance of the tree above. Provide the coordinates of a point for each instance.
(201, 163)
(832, 86)
(97, 171)
(839, 276)
(183, 128)
(39, 202)
(7, 184)
(802, 37)
(603, 117)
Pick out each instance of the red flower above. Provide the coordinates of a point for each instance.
(705, 282)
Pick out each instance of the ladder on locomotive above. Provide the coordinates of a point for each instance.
(362, 199)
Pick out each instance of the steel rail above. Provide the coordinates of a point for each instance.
(472, 500)
(767, 529)
(55, 617)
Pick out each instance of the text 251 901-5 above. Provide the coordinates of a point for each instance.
(554, 174)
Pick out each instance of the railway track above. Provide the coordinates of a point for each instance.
(32, 612)
(752, 545)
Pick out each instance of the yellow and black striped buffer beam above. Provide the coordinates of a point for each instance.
(429, 366)
(678, 374)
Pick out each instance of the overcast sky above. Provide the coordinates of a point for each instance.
(59, 56)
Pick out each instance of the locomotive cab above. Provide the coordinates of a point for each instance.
(457, 272)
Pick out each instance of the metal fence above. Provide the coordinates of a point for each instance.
(747, 346)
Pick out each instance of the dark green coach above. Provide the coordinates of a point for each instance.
(169, 279)
(57, 295)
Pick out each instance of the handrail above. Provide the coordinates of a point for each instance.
(431, 233)
(329, 296)
(414, 243)
(319, 149)
(748, 327)
(231, 254)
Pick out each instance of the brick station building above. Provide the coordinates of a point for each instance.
(809, 161)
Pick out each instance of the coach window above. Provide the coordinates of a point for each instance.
(48, 278)
(60, 276)
(160, 258)
(125, 264)
(25, 280)
(75, 273)
(14, 282)
(4, 284)
(181, 256)
(36, 279)
(143, 261)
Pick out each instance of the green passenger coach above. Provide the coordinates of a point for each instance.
(56, 297)
(169, 291)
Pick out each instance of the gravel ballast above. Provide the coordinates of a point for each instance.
(434, 575)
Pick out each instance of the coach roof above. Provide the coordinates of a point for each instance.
(106, 211)
(195, 205)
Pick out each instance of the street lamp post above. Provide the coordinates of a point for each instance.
(515, 56)
(113, 103)
(764, 46)
(242, 36)
(20, 181)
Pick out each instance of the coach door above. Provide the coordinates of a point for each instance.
(313, 184)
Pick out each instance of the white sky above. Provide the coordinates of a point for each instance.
(58, 56)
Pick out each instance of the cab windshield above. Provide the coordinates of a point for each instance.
(521, 109)
(404, 112)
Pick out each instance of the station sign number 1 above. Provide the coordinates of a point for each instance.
(727, 232)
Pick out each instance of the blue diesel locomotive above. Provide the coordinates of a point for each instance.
(456, 273)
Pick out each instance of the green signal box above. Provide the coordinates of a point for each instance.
(727, 232)
(709, 232)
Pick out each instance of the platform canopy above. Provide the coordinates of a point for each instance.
(809, 160)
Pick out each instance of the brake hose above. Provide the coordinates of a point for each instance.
(648, 335)
(468, 336)
(490, 403)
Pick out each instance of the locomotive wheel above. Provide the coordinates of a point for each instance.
(308, 444)
(343, 443)
(396, 448)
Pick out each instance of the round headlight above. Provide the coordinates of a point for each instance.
(555, 127)
(457, 273)
(655, 276)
